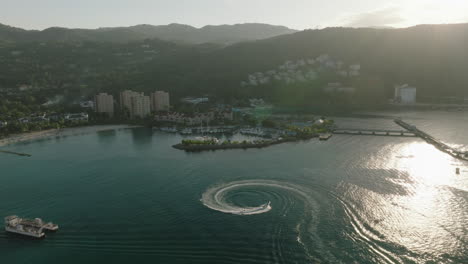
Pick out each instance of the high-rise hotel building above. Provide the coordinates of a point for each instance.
(160, 101)
(141, 106)
(104, 103)
(126, 99)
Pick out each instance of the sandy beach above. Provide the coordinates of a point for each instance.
(24, 137)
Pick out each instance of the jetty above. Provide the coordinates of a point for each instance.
(463, 155)
(247, 145)
(374, 132)
(15, 153)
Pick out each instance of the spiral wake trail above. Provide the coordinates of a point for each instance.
(217, 198)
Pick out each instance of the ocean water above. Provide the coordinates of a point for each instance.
(124, 196)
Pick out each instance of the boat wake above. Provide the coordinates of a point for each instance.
(215, 198)
(308, 234)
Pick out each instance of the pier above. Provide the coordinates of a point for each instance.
(374, 132)
(15, 153)
(433, 141)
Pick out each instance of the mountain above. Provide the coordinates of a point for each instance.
(224, 34)
(432, 58)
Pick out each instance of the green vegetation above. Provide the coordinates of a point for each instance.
(190, 142)
(224, 34)
(312, 130)
(79, 68)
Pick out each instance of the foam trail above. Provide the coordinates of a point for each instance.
(215, 198)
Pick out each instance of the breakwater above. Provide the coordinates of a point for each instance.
(15, 153)
(374, 132)
(248, 145)
(433, 141)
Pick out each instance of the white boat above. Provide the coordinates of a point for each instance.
(169, 129)
(28, 227)
(186, 131)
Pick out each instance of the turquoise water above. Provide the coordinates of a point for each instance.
(126, 195)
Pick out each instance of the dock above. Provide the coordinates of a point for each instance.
(463, 155)
(15, 153)
(374, 132)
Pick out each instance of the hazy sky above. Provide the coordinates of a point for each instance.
(298, 14)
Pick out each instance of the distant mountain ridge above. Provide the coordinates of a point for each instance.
(223, 34)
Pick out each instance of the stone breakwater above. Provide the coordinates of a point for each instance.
(249, 145)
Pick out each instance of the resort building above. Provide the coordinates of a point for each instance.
(160, 101)
(195, 119)
(140, 106)
(126, 99)
(77, 117)
(405, 94)
(195, 101)
(104, 104)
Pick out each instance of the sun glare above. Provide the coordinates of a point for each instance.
(433, 12)
(425, 163)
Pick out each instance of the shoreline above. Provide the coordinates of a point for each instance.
(36, 135)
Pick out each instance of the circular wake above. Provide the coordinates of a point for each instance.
(215, 197)
(309, 235)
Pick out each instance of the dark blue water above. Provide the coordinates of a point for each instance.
(127, 196)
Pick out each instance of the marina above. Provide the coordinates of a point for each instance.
(154, 193)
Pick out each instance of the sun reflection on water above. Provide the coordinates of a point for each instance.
(428, 218)
(424, 163)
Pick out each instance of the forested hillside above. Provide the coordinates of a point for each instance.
(433, 58)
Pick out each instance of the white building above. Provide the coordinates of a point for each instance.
(87, 104)
(141, 106)
(160, 101)
(77, 117)
(405, 94)
(126, 99)
(104, 103)
(354, 70)
(195, 101)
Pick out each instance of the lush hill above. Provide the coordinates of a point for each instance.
(225, 34)
(433, 58)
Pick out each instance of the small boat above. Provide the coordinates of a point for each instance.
(325, 136)
(169, 130)
(186, 131)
